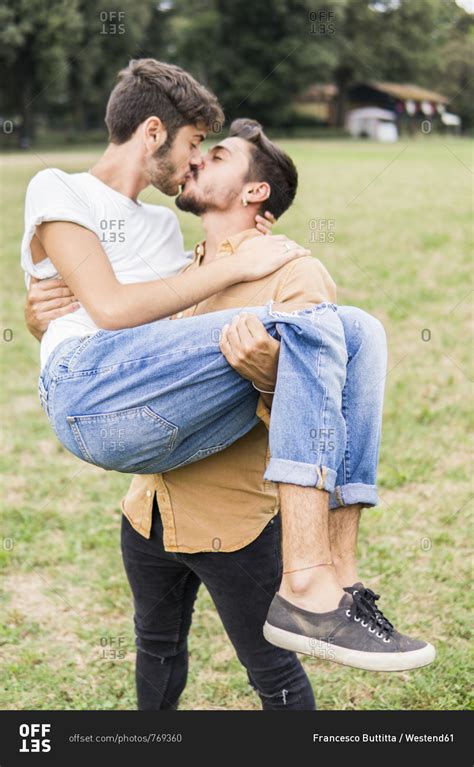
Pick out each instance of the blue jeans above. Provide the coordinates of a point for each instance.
(152, 398)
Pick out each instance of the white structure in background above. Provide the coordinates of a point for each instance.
(372, 122)
(450, 120)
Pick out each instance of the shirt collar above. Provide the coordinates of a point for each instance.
(227, 246)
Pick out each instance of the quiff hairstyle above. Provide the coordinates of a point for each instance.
(267, 162)
(148, 88)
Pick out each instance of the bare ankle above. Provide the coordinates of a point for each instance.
(346, 570)
(298, 583)
(317, 592)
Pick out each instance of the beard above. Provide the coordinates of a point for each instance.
(190, 202)
(163, 171)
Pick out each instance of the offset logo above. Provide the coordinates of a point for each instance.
(35, 738)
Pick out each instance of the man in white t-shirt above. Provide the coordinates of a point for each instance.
(105, 202)
(143, 242)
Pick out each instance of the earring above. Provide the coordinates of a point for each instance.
(244, 202)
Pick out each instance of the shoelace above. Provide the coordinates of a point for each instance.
(365, 610)
(372, 597)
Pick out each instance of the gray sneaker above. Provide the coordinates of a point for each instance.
(352, 635)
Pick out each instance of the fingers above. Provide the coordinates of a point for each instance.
(293, 250)
(265, 223)
(255, 327)
(291, 245)
(246, 333)
(243, 331)
(56, 303)
(261, 340)
(45, 290)
(55, 282)
(262, 227)
(54, 293)
(53, 315)
(225, 346)
(236, 340)
(233, 333)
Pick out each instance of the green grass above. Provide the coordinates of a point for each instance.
(401, 250)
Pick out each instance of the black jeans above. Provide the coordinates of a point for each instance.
(242, 585)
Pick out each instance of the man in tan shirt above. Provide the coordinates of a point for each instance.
(222, 503)
(215, 521)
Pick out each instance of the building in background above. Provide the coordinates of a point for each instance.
(381, 110)
(318, 102)
(372, 122)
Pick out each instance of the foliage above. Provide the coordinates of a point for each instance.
(60, 57)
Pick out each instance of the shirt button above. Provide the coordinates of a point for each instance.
(148, 492)
(179, 315)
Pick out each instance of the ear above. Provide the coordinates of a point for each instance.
(256, 191)
(154, 133)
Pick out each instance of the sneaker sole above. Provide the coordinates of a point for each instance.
(369, 661)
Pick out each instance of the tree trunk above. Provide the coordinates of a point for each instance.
(343, 79)
(27, 128)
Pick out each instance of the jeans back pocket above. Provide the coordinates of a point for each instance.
(126, 440)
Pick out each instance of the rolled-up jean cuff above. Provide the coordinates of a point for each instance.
(356, 492)
(304, 474)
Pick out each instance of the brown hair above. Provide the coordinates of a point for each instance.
(149, 88)
(268, 163)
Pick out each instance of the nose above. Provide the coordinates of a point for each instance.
(197, 160)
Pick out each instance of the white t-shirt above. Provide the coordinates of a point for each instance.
(143, 242)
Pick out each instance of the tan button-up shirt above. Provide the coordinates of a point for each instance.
(222, 503)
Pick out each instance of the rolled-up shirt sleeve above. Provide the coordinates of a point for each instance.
(50, 197)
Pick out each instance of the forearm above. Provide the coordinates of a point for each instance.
(79, 257)
(266, 371)
(139, 303)
(266, 389)
(268, 399)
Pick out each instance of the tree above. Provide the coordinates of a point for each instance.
(35, 40)
(256, 56)
(60, 57)
(457, 75)
(109, 38)
(395, 40)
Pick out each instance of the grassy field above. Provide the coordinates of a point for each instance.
(392, 224)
